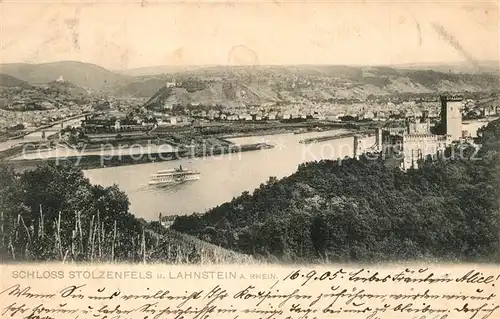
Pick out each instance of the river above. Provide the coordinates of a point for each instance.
(222, 177)
(226, 176)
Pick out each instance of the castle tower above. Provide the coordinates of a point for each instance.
(378, 139)
(358, 147)
(451, 117)
(425, 115)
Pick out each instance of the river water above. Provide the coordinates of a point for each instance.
(222, 177)
(226, 176)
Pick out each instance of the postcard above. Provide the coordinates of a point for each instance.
(255, 159)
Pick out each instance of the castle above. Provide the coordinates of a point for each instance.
(451, 117)
(415, 141)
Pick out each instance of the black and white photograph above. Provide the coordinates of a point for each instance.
(254, 133)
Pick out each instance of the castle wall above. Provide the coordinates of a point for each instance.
(415, 142)
(412, 147)
(419, 146)
(392, 144)
(419, 127)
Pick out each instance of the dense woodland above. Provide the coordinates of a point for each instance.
(54, 213)
(367, 211)
(329, 211)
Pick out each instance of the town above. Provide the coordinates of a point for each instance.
(67, 115)
(261, 135)
(26, 107)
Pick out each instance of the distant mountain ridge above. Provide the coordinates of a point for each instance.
(16, 94)
(464, 67)
(237, 85)
(143, 87)
(157, 70)
(233, 86)
(458, 67)
(85, 75)
(10, 81)
(57, 85)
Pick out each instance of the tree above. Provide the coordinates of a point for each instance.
(368, 210)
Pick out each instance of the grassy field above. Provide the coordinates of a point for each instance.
(77, 240)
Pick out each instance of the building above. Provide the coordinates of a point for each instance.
(422, 126)
(451, 117)
(117, 126)
(410, 144)
(415, 141)
(488, 111)
(166, 221)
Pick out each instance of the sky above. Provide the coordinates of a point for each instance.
(127, 34)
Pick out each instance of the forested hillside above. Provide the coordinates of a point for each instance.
(85, 75)
(367, 211)
(10, 81)
(327, 211)
(54, 213)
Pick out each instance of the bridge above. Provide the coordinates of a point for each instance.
(50, 131)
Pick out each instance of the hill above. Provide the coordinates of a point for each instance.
(223, 93)
(157, 70)
(158, 100)
(81, 74)
(73, 220)
(179, 248)
(16, 94)
(141, 87)
(65, 87)
(458, 67)
(234, 86)
(10, 81)
(447, 210)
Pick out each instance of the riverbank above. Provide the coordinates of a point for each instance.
(282, 128)
(50, 125)
(35, 135)
(21, 148)
(480, 120)
(334, 137)
(222, 177)
(214, 135)
(88, 162)
(257, 133)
